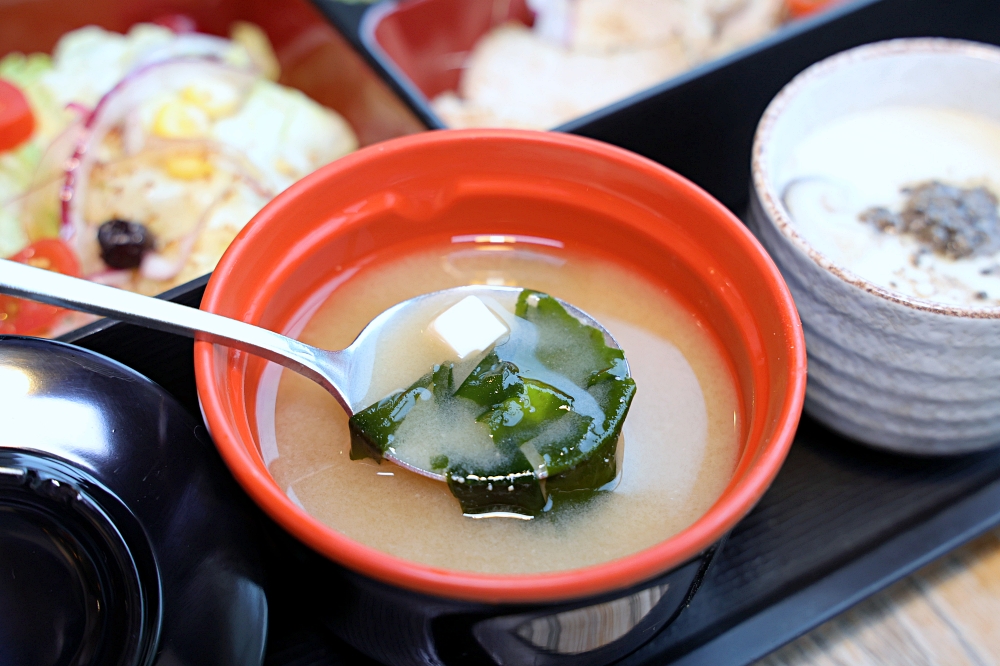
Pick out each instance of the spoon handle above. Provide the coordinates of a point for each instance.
(324, 367)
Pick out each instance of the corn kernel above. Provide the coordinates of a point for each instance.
(180, 120)
(284, 168)
(188, 167)
(216, 104)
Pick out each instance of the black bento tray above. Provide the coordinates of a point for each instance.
(841, 521)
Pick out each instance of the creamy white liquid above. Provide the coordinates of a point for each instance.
(863, 160)
(681, 437)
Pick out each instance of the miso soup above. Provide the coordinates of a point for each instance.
(681, 439)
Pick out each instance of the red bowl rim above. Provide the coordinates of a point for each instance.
(736, 502)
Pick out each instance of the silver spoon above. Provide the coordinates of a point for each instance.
(345, 373)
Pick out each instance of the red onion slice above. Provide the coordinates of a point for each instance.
(35, 200)
(158, 267)
(56, 158)
(188, 45)
(112, 277)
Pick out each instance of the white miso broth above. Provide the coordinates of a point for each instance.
(681, 437)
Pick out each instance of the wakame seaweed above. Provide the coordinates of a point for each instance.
(548, 439)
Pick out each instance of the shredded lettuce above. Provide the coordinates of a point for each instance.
(24, 70)
(12, 236)
(18, 166)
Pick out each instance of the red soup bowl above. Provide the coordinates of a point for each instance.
(506, 186)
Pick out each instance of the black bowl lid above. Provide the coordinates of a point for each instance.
(74, 591)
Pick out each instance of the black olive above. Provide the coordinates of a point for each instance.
(123, 243)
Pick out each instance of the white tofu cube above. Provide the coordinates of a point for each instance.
(468, 326)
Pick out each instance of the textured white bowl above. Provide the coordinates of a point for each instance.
(897, 372)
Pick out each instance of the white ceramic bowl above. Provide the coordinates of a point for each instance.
(897, 372)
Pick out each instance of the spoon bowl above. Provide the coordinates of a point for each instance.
(344, 373)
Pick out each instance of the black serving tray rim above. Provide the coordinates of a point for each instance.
(178, 293)
(412, 95)
(811, 605)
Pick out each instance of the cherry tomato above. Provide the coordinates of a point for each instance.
(16, 120)
(21, 317)
(800, 8)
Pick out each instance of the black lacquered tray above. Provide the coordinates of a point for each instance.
(841, 521)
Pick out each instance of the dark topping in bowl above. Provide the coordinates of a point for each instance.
(952, 221)
(123, 243)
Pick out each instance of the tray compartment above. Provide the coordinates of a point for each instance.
(422, 44)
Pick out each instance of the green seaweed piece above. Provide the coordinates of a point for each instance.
(593, 464)
(536, 413)
(535, 427)
(590, 472)
(510, 486)
(565, 344)
(498, 489)
(373, 428)
(443, 381)
(491, 382)
(613, 391)
(580, 353)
